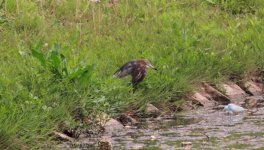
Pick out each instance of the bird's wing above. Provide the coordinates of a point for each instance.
(125, 70)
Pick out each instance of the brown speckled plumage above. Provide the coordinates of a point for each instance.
(136, 68)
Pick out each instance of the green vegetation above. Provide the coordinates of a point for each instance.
(57, 57)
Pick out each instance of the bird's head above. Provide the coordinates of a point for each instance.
(149, 65)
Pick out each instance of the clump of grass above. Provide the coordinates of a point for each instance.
(42, 84)
(236, 6)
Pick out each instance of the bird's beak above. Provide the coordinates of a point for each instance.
(151, 66)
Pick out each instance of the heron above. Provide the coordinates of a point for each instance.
(136, 68)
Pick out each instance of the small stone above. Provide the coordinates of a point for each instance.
(105, 143)
(102, 118)
(153, 111)
(113, 125)
(253, 101)
(137, 146)
(187, 105)
(127, 120)
(153, 137)
(186, 145)
(82, 135)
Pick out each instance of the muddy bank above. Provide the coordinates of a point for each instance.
(203, 128)
(201, 125)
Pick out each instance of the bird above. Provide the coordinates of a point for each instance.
(136, 68)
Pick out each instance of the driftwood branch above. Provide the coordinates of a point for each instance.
(63, 136)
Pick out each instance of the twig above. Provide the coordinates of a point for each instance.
(63, 136)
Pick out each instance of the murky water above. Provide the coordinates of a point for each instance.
(204, 128)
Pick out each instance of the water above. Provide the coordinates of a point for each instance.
(203, 128)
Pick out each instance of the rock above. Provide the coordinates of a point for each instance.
(253, 88)
(102, 118)
(105, 143)
(127, 120)
(83, 135)
(202, 99)
(187, 105)
(215, 94)
(208, 96)
(153, 137)
(112, 125)
(186, 145)
(152, 111)
(253, 101)
(87, 142)
(137, 146)
(84, 144)
(233, 91)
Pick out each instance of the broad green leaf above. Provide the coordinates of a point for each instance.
(75, 73)
(85, 77)
(64, 64)
(39, 56)
(54, 59)
(82, 73)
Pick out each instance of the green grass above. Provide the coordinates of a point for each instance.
(188, 41)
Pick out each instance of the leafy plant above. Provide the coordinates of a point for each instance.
(56, 63)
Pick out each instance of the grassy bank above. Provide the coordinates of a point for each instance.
(188, 41)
